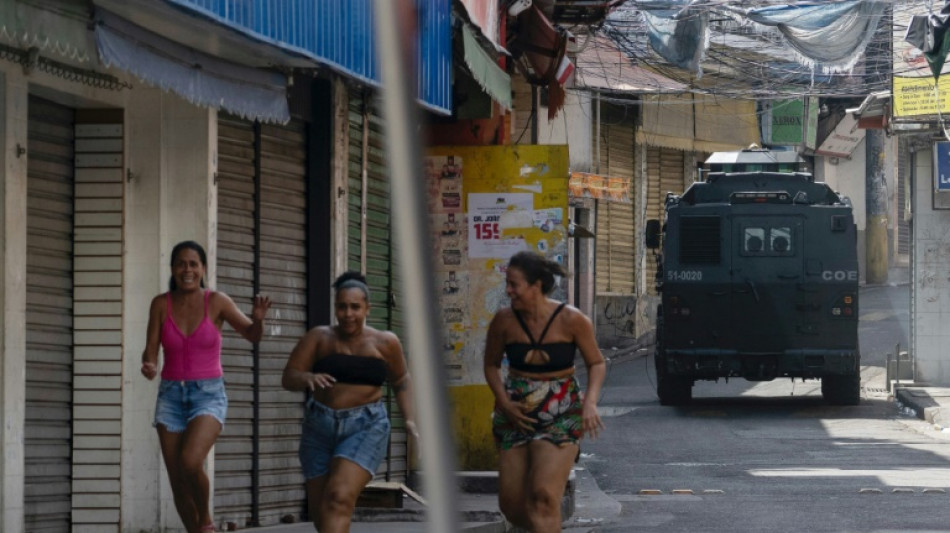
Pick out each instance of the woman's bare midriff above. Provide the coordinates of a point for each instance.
(541, 376)
(348, 395)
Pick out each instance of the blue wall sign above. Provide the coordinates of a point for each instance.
(942, 166)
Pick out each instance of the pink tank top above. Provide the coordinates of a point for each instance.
(197, 356)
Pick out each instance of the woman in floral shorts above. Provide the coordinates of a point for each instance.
(540, 411)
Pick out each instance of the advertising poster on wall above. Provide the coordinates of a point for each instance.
(485, 214)
(512, 198)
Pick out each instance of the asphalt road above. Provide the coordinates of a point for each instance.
(772, 457)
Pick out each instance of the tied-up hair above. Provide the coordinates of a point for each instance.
(352, 280)
(535, 267)
(187, 245)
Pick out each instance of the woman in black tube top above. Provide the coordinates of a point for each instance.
(345, 427)
(540, 411)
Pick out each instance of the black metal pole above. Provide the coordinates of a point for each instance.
(256, 356)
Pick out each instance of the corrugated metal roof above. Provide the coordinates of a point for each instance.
(339, 34)
(601, 65)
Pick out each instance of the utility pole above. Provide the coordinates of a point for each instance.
(876, 239)
(876, 205)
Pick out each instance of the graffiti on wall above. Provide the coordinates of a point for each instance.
(616, 316)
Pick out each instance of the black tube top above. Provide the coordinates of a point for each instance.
(353, 369)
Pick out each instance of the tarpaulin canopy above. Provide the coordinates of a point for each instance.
(680, 36)
(830, 35)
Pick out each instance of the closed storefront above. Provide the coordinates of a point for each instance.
(262, 247)
(371, 250)
(616, 226)
(49, 317)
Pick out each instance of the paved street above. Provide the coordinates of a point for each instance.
(772, 456)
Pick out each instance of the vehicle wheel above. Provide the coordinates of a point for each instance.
(841, 390)
(672, 390)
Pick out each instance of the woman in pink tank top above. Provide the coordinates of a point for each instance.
(192, 404)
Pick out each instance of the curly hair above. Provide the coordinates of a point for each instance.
(535, 267)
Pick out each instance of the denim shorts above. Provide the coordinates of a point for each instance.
(359, 434)
(179, 402)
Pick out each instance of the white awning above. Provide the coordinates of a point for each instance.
(60, 27)
(197, 77)
(843, 140)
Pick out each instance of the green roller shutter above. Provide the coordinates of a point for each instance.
(371, 249)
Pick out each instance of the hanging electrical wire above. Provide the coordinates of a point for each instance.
(746, 60)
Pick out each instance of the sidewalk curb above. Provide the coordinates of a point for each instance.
(930, 404)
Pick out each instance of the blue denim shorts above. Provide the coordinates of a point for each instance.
(359, 434)
(179, 402)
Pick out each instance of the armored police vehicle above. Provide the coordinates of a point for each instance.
(758, 276)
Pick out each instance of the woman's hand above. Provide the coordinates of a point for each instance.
(261, 305)
(149, 370)
(515, 412)
(320, 381)
(592, 422)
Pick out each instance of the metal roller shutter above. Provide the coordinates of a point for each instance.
(49, 322)
(234, 451)
(615, 243)
(665, 167)
(381, 272)
(371, 250)
(262, 186)
(616, 251)
(671, 172)
(283, 276)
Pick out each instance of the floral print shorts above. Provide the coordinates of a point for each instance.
(555, 404)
